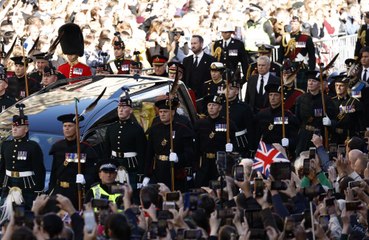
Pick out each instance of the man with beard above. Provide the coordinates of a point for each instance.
(197, 67)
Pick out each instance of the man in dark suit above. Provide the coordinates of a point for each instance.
(362, 36)
(196, 74)
(230, 51)
(255, 93)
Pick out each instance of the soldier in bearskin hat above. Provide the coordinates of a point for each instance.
(71, 41)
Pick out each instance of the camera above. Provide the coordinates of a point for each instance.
(281, 170)
(353, 184)
(214, 184)
(225, 213)
(259, 187)
(172, 196)
(278, 185)
(289, 227)
(306, 166)
(312, 152)
(341, 149)
(190, 201)
(332, 150)
(221, 161)
(19, 214)
(238, 173)
(100, 203)
(169, 205)
(352, 205)
(162, 228)
(192, 234)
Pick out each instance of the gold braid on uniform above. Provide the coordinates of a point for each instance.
(291, 45)
(362, 38)
(217, 53)
(342, 114)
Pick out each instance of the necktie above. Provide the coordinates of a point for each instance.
(364, 76)
(261, 85)
(196, 61)
(225, 44)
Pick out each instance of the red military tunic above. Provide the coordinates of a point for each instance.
(75, 70)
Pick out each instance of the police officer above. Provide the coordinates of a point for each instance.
(159, 156)
(349, 122)
(269, 121)
(64, 171)
(125, 142)
(159, 64)
(17, 83)
(210, 138)
(119, 65)
(309, 111)
(107, 188)
(5, 100)
(290, 92)
(22, 161)
(243, 117)
(264, 50)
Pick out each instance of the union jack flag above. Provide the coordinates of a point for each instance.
(265, 155)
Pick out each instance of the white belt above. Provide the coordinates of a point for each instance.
(16, 174)
(125, 154)
(240, 133)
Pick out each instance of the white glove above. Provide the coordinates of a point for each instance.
(285, 142)
(229, 147)
(80, 179)
(327, 121)
(173, 157)
(145, 181)
(189, 178)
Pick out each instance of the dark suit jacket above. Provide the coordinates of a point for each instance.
(233, 54)
(364, 99)
(251, 92)
(194, 78)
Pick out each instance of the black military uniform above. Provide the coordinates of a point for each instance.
(309, 111)
(275, 67)
(362, 36)
(125, 142)
(211, 137)
(158, 166)
(212, 87)
(350, 110)
(17, 85)
(269, 123)
(36, 74)
(243, 117)
(5, 100)
(65, 161)
(22, 164)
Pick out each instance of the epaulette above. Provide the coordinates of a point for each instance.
(334, 97)
(201, 116)
(95, 184)
(208, 81)
(278, 64)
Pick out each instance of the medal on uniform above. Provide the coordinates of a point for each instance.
(77, 71)
(22, 155)
(164, 142)
(211, 135)
(318, 112)
(270, 127)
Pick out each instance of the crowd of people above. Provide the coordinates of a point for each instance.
(286, 159)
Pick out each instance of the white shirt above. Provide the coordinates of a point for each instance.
(226, 42)
(199, 56)
(265, 79)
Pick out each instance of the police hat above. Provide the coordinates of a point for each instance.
(108, 166)
(20, 119)
(272, 87)
(50, 71)
(164, 103)
(19, 60)
(158, 60)
(217, 66)
(173, 66)
(41, 56)
(264, 48)
(315, 75)
(255, 7)
(349, 62)
(69, 118)
(213, 99)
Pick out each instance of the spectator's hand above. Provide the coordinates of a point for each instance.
(315, 165)
(113, 207)
(142, 221)
(272, 233)
(90, 235)
(237, 220)
(291, 188)
(178, 219)
(214, 223)
(345, 218)
(343, 166)
(317, 140)
(127, 195)
(229, 184)
(245, 186)
(163, 189)
(280, 148)
(319, 231)
(263, 202)
(366, 171)
(65, 204)
(332, 174)
(245, 233)
(39, 203)
(296, 180)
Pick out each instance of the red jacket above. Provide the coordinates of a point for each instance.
(77, 70)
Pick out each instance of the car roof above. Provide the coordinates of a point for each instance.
(44, 107)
